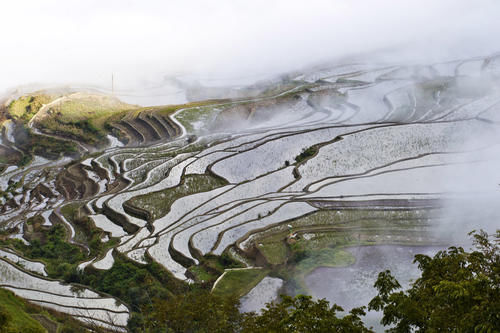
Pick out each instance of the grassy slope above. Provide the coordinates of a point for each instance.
(83, 116)
(15, 308)
(21, 111)
(239, 282)
(24, 108)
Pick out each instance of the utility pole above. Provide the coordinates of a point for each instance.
(112, 84)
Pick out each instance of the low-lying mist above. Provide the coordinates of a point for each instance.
(226, 43)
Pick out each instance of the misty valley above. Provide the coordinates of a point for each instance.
(310, 183)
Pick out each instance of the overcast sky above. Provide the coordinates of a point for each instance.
(67, 41)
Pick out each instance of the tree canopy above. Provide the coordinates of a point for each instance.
(458, 291)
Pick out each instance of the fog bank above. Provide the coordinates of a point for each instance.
(83, 42)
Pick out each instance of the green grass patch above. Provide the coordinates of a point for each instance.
(239, 282)
(199, 115)
(167, 110)
(13, 315)
(25, 107)
(275, 252)
(201, 274)
(351, 221)
(218, 264)
(304, 261)
(89, 107)
(157, 204)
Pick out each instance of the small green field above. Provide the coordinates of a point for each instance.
(239, 282)
(275, 251)
(201, 274)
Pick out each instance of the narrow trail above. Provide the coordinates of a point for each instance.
(42, 111)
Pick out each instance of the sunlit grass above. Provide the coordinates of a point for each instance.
(25, 107)
(15, 310)
(239, 282)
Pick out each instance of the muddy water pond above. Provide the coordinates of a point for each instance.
(352, 286)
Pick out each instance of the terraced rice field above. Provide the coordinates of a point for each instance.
(354, 153)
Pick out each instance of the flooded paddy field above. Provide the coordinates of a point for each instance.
(308, 182)
(352, 286)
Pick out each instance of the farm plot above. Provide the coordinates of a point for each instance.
(206, 239)
(286, 212)
(203, 239)
(362, 154)
(365, 150)
(53, 294)
(157, 203)
(371, 100)
(32, 266)
(420, 161)
(419, 183)
(272, 155)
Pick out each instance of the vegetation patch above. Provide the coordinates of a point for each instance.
(305, 154)
(83, 117)
(195, 117)
(25, 107)
(327, 257)
(275, 251)
(60, 257)
(201, 274)
(85, 231)
(14, 316)
(218, 264)
(239, 282)
(18, 315)
(35, 144)
(353, 226)
(9, 157)
(157, 204)
(169, 109)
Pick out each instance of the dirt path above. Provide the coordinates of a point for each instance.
(43, 110)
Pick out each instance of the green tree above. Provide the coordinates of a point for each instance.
(303, 314)
(197, 311)
(458, 291)
(201, 311)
